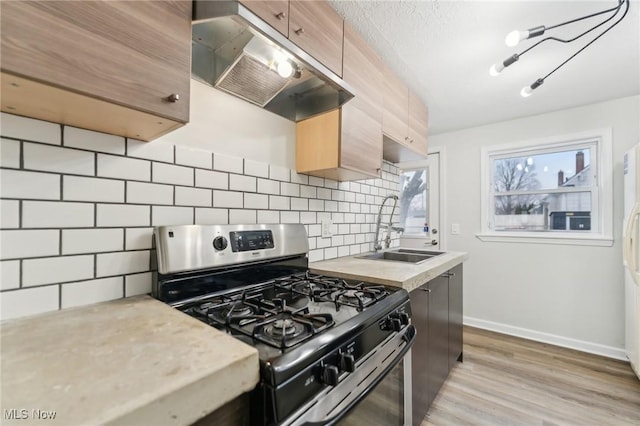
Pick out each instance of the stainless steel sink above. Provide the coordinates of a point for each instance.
(402, 255)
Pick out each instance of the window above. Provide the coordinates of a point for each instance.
(414, 206)
(556, 191)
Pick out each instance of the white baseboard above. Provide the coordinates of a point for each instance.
(566, 342)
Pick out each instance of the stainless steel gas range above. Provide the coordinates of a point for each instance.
(331, 351)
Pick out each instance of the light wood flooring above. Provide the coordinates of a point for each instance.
(506, 380)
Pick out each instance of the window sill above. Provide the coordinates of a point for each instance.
(561, 239)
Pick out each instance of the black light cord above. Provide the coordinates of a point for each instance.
(592, 41)
(617, 9)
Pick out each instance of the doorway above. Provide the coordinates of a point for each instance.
(420, 203)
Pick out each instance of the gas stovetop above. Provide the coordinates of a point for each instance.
(286, 311)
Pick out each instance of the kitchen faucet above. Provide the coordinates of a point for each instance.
(377, 244)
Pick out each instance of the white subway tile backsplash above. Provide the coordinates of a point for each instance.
(337, 195)
(9, 214)
(75, 188)
(138, 238)
(323, 242)
(266, 186)
(56, 159)
(51, 270)
(350, 197)
(165, 215)
(93, 141)
(93, 291)
(9, 274)
(9, 153)
(242, 216)
(76, 241)
(137, 284)
(350, 238)
(16, 244)
(330, 252)
(307, 217)
(228, 163)
(52, 214)
(308, 191)
(314, 230)
(337, 240)
(29, 185)
(289, 217)
(299, 204)
(123, 168)
(290, 189)
(279, 173)
(355, 208)
(311, 242)
(343, 228)
(194, 157)
(157, 151)
(343, 251)
(174, 175)
(316, 255)
(331, 206)
(110, 215)
(328, 183)
(268, 216)
(316, 205)
(316, 181)
(324, 193)
(354, 249)
(215, 180)
(29, 129)
(227, 199)
(149, 193)
(279, 203)
(28, 301)
(360, 198)
(125, 262)
(298, 178)
(255, 168)
(242, 183)
(256, 201)
(212, 216)
(354, 187)
(186, 196)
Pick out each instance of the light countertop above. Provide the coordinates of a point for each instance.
(398, 274)
(133, 361)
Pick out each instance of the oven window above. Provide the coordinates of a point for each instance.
(384, 406)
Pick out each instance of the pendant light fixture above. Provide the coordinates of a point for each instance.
(515, 37)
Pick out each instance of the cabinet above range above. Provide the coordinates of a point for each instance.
(118, 67)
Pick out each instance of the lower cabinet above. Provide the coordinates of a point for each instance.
(436, 312)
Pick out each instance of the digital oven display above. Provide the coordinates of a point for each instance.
(251, 240)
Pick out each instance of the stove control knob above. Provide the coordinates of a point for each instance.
(330, 375)
(219, 243)
(395, 324)
(402, 316)
(348, 363)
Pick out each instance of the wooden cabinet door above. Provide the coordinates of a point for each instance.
(420, 354)
(395, 110)
(318, 30)
(361, 145)
(273, 12)
(131, 53)
(418, 124)
(455, 315)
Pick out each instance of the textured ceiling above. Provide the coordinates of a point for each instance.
(443, 51)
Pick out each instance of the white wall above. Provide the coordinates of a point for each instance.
(228, 125)
(571, 295)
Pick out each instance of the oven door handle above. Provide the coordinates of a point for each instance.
(409, 336)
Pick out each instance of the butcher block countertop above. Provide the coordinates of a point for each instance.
(133, 361)
(397, 274)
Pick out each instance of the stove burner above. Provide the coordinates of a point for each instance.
(284, 327)
(359, 296)
(287, 329)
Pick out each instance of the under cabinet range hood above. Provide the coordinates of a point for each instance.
(235, 51)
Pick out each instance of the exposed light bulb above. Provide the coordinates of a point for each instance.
(285, 69)
(526, 91)
(515, 37)
(496, 69)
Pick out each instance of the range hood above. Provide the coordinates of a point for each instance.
(235, 51)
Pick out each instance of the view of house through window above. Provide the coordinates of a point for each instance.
(414, 206)
(545, 189)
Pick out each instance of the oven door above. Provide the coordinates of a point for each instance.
(378, 392)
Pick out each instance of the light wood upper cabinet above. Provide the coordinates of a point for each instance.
(418, 124)
(121, 67)
(273, 12)
(404, 121)
(346, 144)
(317, 29)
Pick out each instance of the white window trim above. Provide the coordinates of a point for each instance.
(604, 236)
